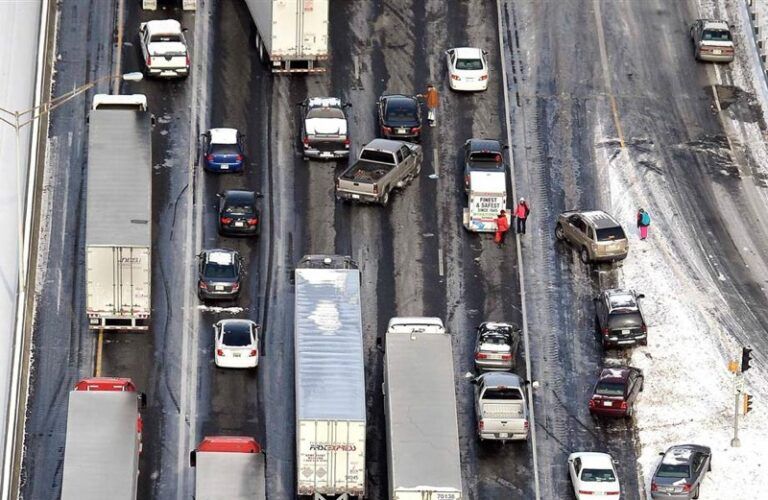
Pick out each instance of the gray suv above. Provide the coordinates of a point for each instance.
(597, 236)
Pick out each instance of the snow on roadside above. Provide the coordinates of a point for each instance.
(689, 395)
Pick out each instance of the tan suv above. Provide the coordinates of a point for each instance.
(597, 235)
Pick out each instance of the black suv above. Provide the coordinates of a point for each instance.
(238, 215)
(619, 319)
(219, 274)
(399, 117)
(482, 155)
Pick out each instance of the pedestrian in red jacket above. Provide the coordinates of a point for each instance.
(521, 214)
(502, 226)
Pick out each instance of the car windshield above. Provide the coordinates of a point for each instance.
(214, 270)
(495, 339)
(167, 37)
(401, 113)
(240, 209)
(679, 471)
(610, 234)
(236, 336)
(505, 393)
(224, 149)
(325, 113)
(469, 64)
(716, 35)
(619, 321)
(610, 389)
(598, 475)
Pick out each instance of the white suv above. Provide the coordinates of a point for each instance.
(164, 48)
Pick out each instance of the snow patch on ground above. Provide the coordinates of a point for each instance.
(689, 393)
(216, 309)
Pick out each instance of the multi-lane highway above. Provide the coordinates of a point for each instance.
(582, 79)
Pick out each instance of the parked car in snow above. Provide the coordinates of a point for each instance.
(324, 128)
(223, 150)
(496, 346)
(236, 343)
(219, 274)
(592, 475)
(616, 392)
(619, 319)
(399, 117)
(596, 235)
(501, 409)
(467, 69)
(238, 215)
(680, 472)
(712, 41)
(163, 48)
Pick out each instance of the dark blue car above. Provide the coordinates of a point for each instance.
(223, 150)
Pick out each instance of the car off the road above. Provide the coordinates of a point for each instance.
(680, 472)
(619, 319)
(467, 69)
(712, 41)
(597, 236)
(324, 132)
(593, 475)
(236, 343)
(219, 274)
(616, 392)
(164, 49)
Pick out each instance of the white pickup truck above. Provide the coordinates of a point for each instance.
(500, 407)
(164, 48)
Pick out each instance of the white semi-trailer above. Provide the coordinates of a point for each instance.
(330, 379)
(229, 468)
(118, 227)
(292, 35)
(420, 411)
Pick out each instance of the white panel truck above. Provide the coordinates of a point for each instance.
(292, 35)
(229, 468)
(118, 227)
(330, 379)
(420, 411)
(103, 443)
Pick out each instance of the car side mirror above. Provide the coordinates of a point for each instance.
(259, 195)
(219, 195)
(184, 30)
(348, 105)
(661, 453)
(142, 400)
(485, 52)
(192, 458)
(379, 344)
(640, 295)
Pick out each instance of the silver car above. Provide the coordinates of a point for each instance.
(496, 346)
(681, 472)
(712, 41)
(596, 235)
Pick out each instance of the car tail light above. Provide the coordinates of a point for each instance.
(219, 352)
(239, 157)
(306, 141)
(235, 287)
(202, 285)
(466, 180)
(506, 357)
(253, 353)
(337, 183)
(686, 488)
(346, 143)
(592, 403)
(386, 130)
(252, 221)
(149, 60)
(606, 332)
(644, 328)
(455, 77)
(481, 355)
(226, 220)
(375, 189)
(480, 425)
(209, 157)
(611, 493)
(525, 425)
(654, 487)
(586, 492)
(483, 78)
(415, 130)
(187, 60)
(623, 405)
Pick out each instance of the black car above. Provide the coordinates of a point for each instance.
(619, 319)
(399, 117)
(219, 274)
(482, 155)
(238, 215)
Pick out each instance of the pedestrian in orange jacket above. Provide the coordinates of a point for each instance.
(432, 99)
(521, 213)
(502, 226)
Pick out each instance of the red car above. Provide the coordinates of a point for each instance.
(616, 391)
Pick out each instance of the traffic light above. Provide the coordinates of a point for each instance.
(746, 357)
(747, 405)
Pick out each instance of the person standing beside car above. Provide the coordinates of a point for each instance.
(432, 100)
(643, 221)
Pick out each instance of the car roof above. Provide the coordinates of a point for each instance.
(621, 299)
(614, 373)
(505, 379)
(593, 459)
(467, 52)
(223, 135)
(599, 219)
(220, 256)
(324, 102)
(489, 145)
(400, 99)
(164, 26)
(237, 196)
(682, 453)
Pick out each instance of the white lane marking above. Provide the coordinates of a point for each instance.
(436, 161)
(440, 267)
(606, 73)
(119, 48)
(520, 266)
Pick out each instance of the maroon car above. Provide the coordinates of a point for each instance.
(616, 391)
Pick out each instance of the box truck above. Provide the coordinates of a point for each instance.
(118, 227)
(103, 442)
(291, 35)
(229, 468)
(330, 380)
(420, 411)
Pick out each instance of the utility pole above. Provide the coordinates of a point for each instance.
(738, 371)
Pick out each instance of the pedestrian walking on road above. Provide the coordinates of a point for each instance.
(643, 221)
(432, 99)
(502, 226)
(521, 214)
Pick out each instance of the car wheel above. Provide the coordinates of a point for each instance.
(696, 492)
(584, 255)
(709, 467)
(384, 199)
(559, 233)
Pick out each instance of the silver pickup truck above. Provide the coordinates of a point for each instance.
(383, 165)
(500, 407)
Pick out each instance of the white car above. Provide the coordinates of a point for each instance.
(593, 475)
(164, 48)
(467, 69)
(236, 343)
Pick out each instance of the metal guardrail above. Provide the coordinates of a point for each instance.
(758, 35)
